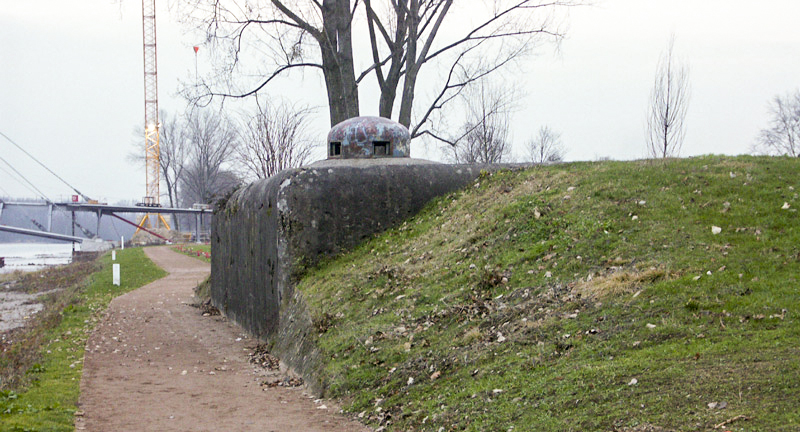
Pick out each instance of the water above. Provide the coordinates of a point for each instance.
(35, 256)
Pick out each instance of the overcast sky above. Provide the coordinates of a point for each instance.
(71, 85)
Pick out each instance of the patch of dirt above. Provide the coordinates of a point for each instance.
(154, 363)
(17, 308)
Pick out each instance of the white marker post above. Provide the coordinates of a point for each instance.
(115, 270)
(113, 255)
(122, 242)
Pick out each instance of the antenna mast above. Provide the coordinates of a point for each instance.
(151, 123)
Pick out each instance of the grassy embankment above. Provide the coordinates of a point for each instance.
(199, 251)
(41, 369)
(584, 296)
(203, 253)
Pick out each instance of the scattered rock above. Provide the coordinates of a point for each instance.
(717, 405)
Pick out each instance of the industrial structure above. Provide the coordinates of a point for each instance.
(151, 123)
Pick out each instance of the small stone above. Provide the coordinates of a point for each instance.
(548, 275)
(717, 405)
(785, 206)
(715, 230)
(410, 381)
(435, 375)
(634, 217)
(651, 326)
(633, 381)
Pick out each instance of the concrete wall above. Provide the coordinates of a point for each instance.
(269, 232)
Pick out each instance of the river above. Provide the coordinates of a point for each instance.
(35, 256)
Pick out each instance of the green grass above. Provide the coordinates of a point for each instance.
(48, 401)
(532, 300)
(199, 251)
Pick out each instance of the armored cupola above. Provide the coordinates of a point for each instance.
(368, 137)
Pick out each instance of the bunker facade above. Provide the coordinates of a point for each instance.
(269, 232)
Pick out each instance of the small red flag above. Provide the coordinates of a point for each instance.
(196, 49)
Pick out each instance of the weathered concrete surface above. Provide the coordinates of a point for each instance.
(267, 233)
(356, 138)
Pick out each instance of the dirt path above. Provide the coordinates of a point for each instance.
(156, 364)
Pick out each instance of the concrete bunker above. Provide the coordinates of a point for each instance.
(269, 232)
(368, 137)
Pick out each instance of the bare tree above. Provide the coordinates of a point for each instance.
(460, 51)
(546, 147)
(669, 101)
(274, 139)
(782, 137)
(173, 154)
(212, 145)
(288, 36)
(404, 35)
(484, 137)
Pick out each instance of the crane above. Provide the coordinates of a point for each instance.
(151, 123)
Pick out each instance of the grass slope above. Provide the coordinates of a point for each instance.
(199, 251)
(48, 401)
(584, 296)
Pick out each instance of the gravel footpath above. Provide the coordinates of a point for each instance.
(155, 363)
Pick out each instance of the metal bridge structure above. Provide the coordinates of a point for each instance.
(100, 210)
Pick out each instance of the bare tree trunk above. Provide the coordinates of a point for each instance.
(336, 47)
